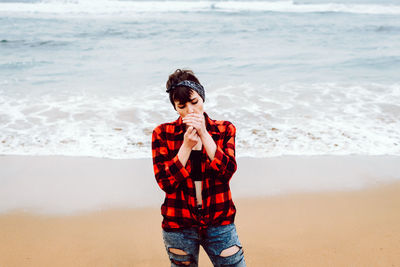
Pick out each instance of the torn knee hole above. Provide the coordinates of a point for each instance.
(180, 252)
(229, 251)
(181, 263)
(177, 251)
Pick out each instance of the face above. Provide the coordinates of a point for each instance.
(193, 106)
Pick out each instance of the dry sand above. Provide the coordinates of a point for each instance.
(357, 228)
(50, 216)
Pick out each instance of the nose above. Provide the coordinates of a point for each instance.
(190, 108)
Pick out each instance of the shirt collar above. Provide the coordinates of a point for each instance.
(211, 126)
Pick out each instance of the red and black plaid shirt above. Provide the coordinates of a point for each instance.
(179, 207)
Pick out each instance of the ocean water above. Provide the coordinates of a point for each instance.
(304, 77)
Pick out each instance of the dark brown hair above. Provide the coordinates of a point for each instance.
(181, 93)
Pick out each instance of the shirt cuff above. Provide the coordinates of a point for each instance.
(217, 161)
(178, 170)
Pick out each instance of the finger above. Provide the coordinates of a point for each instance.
(189, 115)
(186, 119)
(196, 115)
(190, 121)
(191, 124)
(196, 126)
(189, 129)
(193, 115)
(193, 133)
(193, 137)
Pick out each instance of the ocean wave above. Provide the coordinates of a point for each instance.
(387, 29)
(21, 65)
(292, 119)
(382, 62)
(112, 7)
(32, 43)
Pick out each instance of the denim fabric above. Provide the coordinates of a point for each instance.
(213, 239)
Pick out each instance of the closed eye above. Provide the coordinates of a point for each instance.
(194, 103)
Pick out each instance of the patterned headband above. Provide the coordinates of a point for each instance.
(193, 85)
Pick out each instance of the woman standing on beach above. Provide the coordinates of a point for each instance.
(194, 160)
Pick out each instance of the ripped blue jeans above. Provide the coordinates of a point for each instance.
(213, 239)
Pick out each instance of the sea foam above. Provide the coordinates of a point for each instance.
(112, 7)
(292, 119)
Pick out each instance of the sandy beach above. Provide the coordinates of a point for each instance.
(312, 88)
(352, 227)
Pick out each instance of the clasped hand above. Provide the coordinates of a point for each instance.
(195, 128)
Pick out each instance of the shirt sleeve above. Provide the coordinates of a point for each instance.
(168, 169)
(224, 162)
